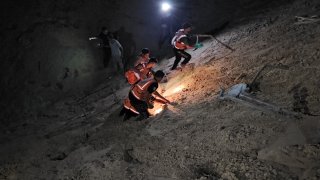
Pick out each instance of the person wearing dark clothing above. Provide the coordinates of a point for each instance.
(104, 37)
(180, 43)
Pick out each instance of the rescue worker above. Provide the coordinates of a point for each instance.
(141, 71)
(180, 43)
(143, 56)
(128, 110)
(141, 95)
(146, 68)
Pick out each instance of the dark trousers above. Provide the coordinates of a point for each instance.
(140, 106)
(180, 54)
(106, 56)
(127, 114)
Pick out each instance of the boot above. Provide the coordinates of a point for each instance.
(125, 117)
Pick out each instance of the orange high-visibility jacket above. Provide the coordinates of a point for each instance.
(176, 40)
(140, 90)
(133, 76)
(145, 73)
(127, 105)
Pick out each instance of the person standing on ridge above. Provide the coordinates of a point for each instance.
(180, 43)
(104, 37)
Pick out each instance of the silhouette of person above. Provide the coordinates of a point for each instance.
(104, 37)
(129, 46)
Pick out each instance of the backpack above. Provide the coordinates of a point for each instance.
(132, 77)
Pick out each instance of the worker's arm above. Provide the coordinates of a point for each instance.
(149, 100)
(92, 38)
(185, 41)
(150, 73)
(189, 47)
(159, 95)
(153, 90)
(96, 37)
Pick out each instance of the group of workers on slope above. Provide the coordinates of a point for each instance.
(145, 82)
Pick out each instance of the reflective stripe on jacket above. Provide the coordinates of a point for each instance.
(145, 73)
(133, 76)
(140, 90)
(176, 40)
(127, 105)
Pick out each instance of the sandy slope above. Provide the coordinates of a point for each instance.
(201, 137)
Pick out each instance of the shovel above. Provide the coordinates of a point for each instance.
(214, 38)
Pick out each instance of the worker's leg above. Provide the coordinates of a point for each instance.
(123, 111)
(128, 115)
(186, 57)
(178, 58)
(120, 67)
(140, 106)
(106, 56)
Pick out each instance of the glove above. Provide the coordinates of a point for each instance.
(198, 45)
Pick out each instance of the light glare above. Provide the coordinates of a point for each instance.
(165, 7)
(178, 89)
(158, 111)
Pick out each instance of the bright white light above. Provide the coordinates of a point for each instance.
(165, 7)
(158, 108)
(178, 89)
(173, 90)
(158, 111)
